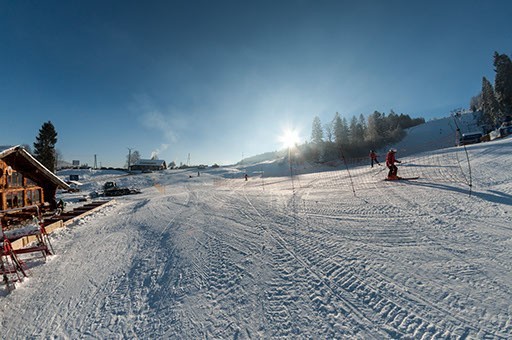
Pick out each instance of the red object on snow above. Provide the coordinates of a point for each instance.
(12, 269)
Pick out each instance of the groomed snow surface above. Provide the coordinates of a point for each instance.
(320, 255)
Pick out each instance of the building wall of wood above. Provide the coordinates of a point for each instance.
(17, 191)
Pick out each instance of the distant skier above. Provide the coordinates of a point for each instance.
(390, 163)
(373, 157)
(246, 177)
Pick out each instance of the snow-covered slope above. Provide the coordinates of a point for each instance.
(433, 135)
(338, 254)
(437, 134)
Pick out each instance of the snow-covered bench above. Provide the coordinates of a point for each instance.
(36, 239)
(15, 234)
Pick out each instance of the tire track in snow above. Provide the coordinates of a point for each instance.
(283, 299)
(226, 279)
(401, 320)
(446, 312)
(343, 308)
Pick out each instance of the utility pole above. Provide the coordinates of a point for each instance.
(242, 164)
(95, 163)
(129, 158)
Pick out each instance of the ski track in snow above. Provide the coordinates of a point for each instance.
(213, 258)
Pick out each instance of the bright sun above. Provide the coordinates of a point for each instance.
(289, 138)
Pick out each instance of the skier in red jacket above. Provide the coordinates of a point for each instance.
(390, 163)
(373, 157)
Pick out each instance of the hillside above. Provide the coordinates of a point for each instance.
(436, 134)
(432, 135)
(317, 255)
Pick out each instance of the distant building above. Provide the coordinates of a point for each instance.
(25, 183)
(149, 165)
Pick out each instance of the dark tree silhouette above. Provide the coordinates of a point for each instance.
(44, 147)
(503, 83)
(490, 105)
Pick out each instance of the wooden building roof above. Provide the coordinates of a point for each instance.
(22, 161)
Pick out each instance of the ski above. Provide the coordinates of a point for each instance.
(401, 178)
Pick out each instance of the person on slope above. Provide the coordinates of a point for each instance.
(373, 158)
(390, 163)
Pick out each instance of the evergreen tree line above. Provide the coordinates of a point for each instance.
(495, 103)
(355, 138)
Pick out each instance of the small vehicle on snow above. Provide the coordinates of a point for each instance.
(111, 189)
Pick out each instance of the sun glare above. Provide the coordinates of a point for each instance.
(289, 138)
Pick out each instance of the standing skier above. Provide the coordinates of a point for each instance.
(373, 157)
(390, 163)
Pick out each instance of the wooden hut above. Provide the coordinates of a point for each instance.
(25, 184)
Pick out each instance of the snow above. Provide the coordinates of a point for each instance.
(437, 134)
(318, 255)
(21, 232)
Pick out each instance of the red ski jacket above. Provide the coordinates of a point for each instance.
(373, 155)
(390, 159)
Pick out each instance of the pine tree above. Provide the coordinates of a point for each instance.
(363, 125)
(345, 133)
(375, 131)
(329, 134)
(317, 138)
(44, 147)
(503, 82)
(337, 125)
(317, 134)
(356, 131)
(490, 105)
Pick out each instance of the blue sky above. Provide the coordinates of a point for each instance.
(222, 79)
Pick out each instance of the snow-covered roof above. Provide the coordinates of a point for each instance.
(152, 162)
(7, 151)
(5, 147)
